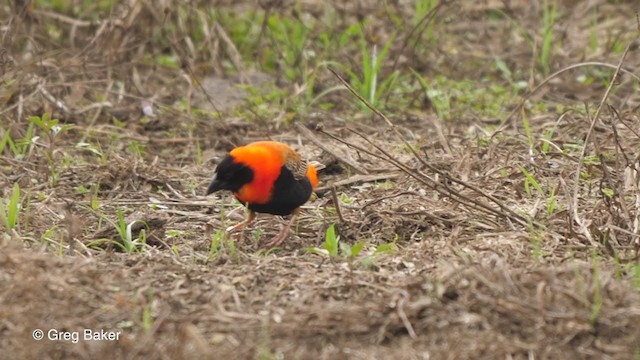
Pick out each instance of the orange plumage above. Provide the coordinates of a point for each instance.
(267, 177)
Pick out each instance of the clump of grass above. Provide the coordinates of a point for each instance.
(549, 16)
(367, 83)
(129, 244)
(136, 148)
(334, 249)
(529, 182)
(51, 129)
(536, 232)
(264, 351)
(453, 99)
(331, 241)
(535, 236)
(48, 238)
(290, 37)
(636, 275)
(593, 297)
(596, 303)
(221, 245)
(147, 313)
(126, 241)
(10, 210)
(544, 48)
(18, 148)
(384, 249)
(423, 8)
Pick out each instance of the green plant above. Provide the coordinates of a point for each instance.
(331, 41)
(264, 351)
(127, 242)
(503, 69)
(334, 249)
(136, 148)
(221, 245)
(47, 237)
(423, 8)
(593, 34)
(147, 319)
(350, 252)
(95, 149)
(331, 241)
(345, 198)
(289, 55)
(330, 246)
(20, 147)
(596, 303)
(618, 268)
(530, 181)
(243, 29)
(453, 99)
(546, 141)
(636, 275)
(535, 236)
(174, 233)
(94, 197)
(549, 16)
(595, 300)
(388, 248)
(147, 313)
(256, 234)
(125, 324)
(9, 210)
(51, 129)
(552, 202)
(6, 140)
(289, 37)
(199, 158)
(261, 101)
(367, 83)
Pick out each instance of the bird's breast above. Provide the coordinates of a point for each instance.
(259, 191)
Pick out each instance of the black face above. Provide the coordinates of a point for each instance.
(230, 176)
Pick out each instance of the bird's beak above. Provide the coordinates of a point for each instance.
(214, 186)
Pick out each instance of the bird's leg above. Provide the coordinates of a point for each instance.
(284, 232)
(235, 228)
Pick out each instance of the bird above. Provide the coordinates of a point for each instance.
(266, 177)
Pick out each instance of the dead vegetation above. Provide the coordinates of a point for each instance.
(493, 182)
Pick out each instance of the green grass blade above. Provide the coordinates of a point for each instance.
(331, 241)
(14, 207)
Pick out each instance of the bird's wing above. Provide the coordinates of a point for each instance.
(297, 166)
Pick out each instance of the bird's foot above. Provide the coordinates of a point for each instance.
(235, 228)
(283, 234)
(278, 239)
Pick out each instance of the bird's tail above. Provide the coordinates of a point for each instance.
(317, 165)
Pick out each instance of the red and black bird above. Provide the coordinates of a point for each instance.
(267, 177)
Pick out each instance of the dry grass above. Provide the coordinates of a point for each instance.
(515, 234)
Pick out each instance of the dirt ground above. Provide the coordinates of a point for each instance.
(497, 202)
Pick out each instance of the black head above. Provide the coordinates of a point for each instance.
(230, 176)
